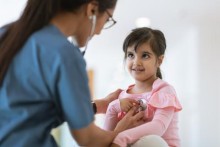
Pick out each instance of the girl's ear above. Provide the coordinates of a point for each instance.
(160, 60)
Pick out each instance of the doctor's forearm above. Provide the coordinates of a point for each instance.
(100, 105)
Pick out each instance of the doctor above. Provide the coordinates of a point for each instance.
(43, 78)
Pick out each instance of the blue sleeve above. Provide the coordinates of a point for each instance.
(73, 89)
(2, 31)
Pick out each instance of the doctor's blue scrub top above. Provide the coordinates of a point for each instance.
(45, 85)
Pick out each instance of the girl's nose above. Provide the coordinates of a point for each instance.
(137, 62)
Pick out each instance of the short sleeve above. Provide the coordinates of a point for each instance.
(164, 96)
(73, 89)
(163, 100)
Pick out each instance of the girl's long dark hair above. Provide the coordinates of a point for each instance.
(36, 14)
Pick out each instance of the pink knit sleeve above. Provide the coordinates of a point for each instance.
(163, 96)
(157, 126)
(111, 117)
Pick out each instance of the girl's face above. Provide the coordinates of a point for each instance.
(142, 64)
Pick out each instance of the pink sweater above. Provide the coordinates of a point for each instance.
(161, 115)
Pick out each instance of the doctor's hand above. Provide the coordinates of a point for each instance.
(132, 119)
(102, 104)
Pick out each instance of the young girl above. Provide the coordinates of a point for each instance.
(144, 50)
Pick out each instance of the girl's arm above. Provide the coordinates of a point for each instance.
(111, 117)
(157, 126)
(115, 107)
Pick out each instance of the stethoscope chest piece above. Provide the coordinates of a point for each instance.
(143, 104)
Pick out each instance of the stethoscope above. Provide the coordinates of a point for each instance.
(93, 19)
(72, 40)
(142, 104)
(83, 52)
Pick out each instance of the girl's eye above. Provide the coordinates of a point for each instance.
(146, 56)
(130, 55)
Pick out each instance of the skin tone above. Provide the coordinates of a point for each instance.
(79, 24)
(127, 104)
(102, 104)
(142, 64)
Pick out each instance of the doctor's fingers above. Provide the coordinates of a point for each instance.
(139, 118)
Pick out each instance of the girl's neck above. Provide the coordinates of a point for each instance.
(142, 86)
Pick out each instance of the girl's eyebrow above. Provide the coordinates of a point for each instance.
(146, 52)
(129, 51)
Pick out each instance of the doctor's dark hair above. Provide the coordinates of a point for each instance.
(36, 15)
(155, 38)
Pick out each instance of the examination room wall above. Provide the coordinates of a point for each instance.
(191, 65)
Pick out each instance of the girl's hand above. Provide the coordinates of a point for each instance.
(127, 103)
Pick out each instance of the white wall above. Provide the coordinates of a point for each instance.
(191, 65)
(180, 69)
(209, 83)
(10, 10)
